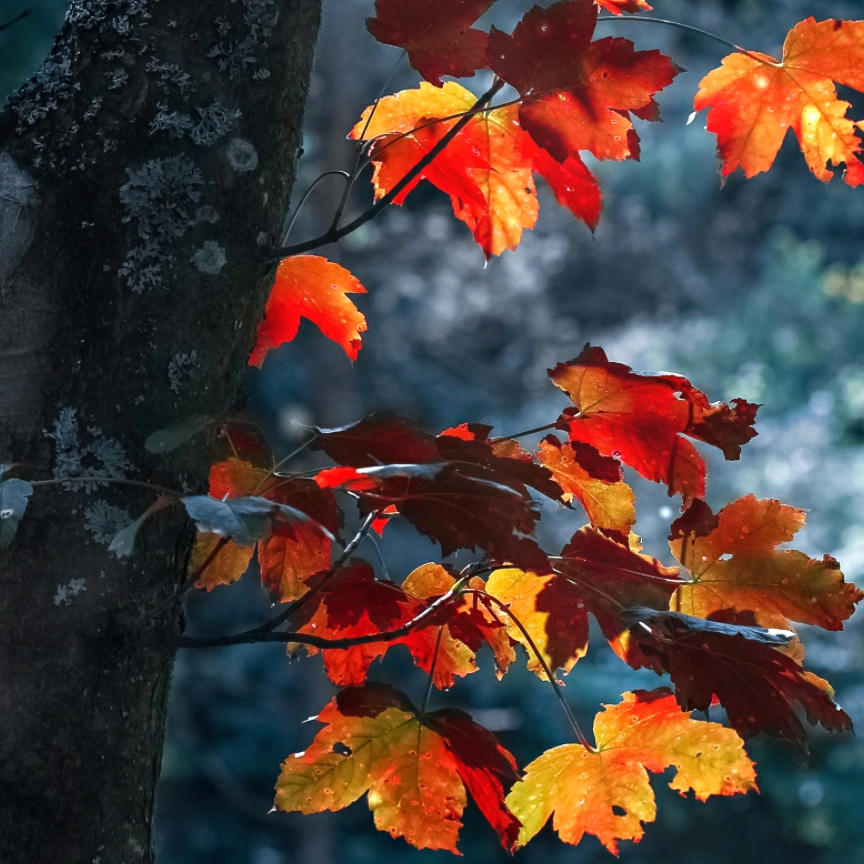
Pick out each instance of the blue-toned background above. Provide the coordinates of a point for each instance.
(753, 290)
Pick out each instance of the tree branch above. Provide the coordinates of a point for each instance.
(335, 233)
(255, 636)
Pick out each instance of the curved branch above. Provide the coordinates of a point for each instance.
(255, 636)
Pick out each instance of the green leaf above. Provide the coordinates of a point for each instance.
(123, 543)
(13, 503)
(765, 635)
(175, 434)
(245, 520)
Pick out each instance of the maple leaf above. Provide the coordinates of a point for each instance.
(616, 7)
(458, 504)
(614, 578)
(417, 769)
(640, 419)
(606, 791)
(228, 565)
(595, 575)
(394, 155)
(737, 569)
(577, 94)
(308, 286)
(486, 169)
(463, 628)
(757, 684)
(552, 610)
(513, 465)
(436, 34)
(755, 100)
(377, 441)
(354, 603)
(507, 184)
(596, 481)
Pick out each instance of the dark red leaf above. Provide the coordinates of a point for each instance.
(437, 34)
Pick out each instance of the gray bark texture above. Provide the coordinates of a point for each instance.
(143, 171)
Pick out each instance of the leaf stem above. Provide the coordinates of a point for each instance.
(558, 424)
(431, 682)
(540, 659)
(677, 24)
(334, 234)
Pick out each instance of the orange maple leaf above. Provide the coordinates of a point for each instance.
(486, 169)
(755, 100)
(228, 565)
(308, 286)
(606, 791)
(460, 631)
(596, 481)
(417, 768)
(737, 569)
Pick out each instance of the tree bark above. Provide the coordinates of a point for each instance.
(143, 171)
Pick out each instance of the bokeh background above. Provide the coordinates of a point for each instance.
(755, 289)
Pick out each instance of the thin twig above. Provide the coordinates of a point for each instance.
(345, 176)
(677, 24)
(227, 434)
(185, 586)
(541, 659)
(122, 481)
(15, 20)
(358, 167)
(296, 452)
(335, 234)
(558, 424)
(620, 19)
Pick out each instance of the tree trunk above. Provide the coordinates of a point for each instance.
(143, 171)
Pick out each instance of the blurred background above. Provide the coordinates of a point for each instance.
(752, 290)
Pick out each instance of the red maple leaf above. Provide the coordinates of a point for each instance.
(377, 441)
(308, 286)
(757, 684)
(354, 603)
(577, 94)
(437, 34)
(641, 420)
(459, 504)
